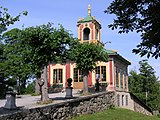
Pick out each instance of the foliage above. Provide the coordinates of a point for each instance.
(141, 16)
(86, 56)
(55, 88)
(30, 89)
(47, 44)
(35, 94)
(116, 114)
(13, 65)
(145, 85)
(2, 85)
(27, 52)
(5, 20)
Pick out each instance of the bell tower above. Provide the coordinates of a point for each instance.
(89, 29)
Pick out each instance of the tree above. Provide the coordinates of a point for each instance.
(145, 85)
(141, 16)
(47, 44)
(150, 86)
(13, 65)
(2, 85)
(135, 82)
(86, 56)
(5, 20)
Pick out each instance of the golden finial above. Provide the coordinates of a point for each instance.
(89, 10)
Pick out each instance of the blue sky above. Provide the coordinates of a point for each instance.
(67, 13)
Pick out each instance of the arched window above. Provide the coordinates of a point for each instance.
(86, 34)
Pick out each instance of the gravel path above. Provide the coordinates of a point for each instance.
(28, 101)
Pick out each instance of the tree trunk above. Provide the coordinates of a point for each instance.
(45, 96)
(85, 82)
(37, 87)
(19, 86)
(23, 86)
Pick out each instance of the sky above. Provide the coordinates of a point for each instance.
(67, 13)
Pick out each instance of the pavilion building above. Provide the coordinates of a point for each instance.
(113, 73)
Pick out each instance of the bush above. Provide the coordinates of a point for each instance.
(30, 88)
(35, 94)
(55, 88)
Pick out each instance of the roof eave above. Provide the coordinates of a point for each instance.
(121, 58)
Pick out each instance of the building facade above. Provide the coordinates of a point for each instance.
(113, 74)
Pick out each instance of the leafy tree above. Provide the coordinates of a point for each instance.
(47, 44)
(14, 65)
(135, 82)
(145, 85)
(2, 85)
(5, 20)
(142, 16)
(86, 56)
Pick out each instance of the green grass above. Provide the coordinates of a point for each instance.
(116, 114)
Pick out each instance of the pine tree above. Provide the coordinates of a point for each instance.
(145, 85)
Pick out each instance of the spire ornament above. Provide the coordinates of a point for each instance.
(89, 10)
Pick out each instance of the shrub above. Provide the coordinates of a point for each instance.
(30, 88)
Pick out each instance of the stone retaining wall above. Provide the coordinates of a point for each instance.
(132, 103)
(141, 107)
(65, 110)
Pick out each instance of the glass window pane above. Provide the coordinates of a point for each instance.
(60, 75)
(75, 75)
(80, 76)
(97, 72)
(55, 76)
(103, 73)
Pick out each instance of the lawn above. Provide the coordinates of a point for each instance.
(116, 114)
